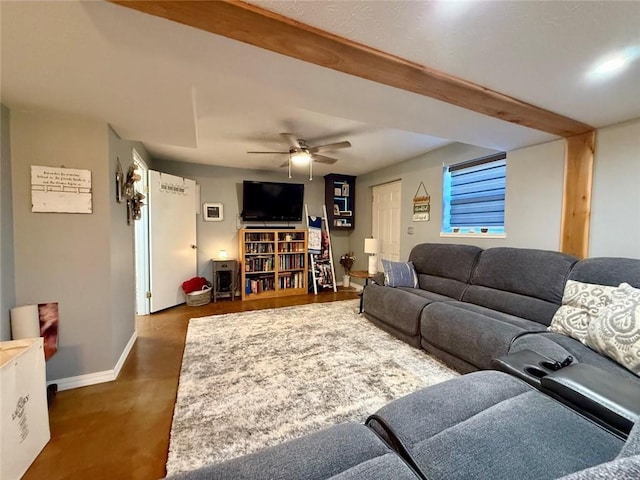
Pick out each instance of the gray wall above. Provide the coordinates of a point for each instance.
(224, 185)
(615, 216)
(533, 208)
(85, 262)
(7, 289)
(533, 211)
(82, 261)
(425, 168)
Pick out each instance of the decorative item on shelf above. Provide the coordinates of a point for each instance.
(372, 247)
(421, 205)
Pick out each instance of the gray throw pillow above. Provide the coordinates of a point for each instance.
(399, 274)
(615, 332)
(581, 303)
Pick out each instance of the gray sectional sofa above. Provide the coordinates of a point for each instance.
(478, 426)
(473, 305)
(478, 309)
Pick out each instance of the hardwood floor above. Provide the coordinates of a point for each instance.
(120, 429)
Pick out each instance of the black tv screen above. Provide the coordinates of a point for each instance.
(272, 201)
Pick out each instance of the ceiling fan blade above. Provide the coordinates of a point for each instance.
(323, 159)
(292, 140)
(285, 164)
(330, 146)
(271, 152)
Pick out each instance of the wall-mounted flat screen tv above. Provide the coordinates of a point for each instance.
(272, 201)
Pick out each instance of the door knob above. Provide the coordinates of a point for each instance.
(194, 246)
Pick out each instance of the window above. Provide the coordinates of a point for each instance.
(473, 196)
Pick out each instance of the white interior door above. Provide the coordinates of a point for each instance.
(386, 212)
(172, 237)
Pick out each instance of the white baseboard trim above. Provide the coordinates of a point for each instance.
(97, 377)
(125, 354)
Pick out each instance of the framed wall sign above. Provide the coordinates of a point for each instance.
(212, 212)
(60, 190)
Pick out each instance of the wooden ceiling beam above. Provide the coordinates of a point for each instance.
(271, 31)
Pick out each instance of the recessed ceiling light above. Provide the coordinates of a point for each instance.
(613, 64)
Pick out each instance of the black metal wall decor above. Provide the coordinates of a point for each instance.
(126, 191)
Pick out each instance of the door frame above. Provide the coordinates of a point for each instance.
(141, 241)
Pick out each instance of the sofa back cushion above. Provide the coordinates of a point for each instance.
(444, 268)
(607, 271)
(528, 283)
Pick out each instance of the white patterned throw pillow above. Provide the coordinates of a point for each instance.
(399, 274)
(616, 331)
(581, 303)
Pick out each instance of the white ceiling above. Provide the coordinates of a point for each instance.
(197, 97)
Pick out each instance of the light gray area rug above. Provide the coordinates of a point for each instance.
(254, 379)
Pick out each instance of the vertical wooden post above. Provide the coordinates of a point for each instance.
(576, 199)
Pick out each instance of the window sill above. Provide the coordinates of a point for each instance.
(473, 235)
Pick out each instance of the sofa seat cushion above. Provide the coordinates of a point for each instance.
(443, 268)
(531, 308)
(426, 294)
(491, 425)
(524, 282)
(345, 452)
(557, 347)
(398, 307)
(473, 333)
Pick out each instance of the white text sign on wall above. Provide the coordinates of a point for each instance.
(63, 190)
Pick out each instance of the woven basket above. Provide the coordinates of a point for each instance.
(201, 297)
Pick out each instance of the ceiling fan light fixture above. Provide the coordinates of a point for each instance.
(301, 157)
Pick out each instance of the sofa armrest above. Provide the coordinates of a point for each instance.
(610, 400)
(378, 278)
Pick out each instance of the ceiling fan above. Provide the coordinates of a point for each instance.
(300, 153)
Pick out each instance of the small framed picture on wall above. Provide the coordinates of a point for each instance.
(212, 212)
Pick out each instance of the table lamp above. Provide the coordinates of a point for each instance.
(372, 247)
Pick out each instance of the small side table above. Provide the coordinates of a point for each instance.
(362, 274)
(227, 270)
